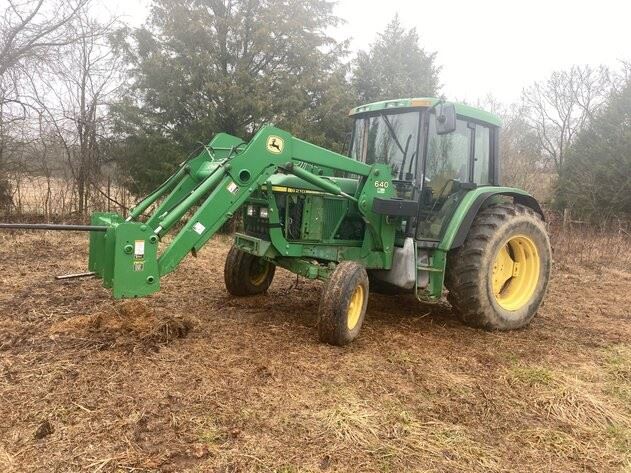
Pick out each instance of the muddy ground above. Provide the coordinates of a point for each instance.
(193, 380)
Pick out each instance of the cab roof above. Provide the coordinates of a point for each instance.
(419, 102)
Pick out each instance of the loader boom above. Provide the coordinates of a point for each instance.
(216, 184)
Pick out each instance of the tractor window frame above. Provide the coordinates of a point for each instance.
(477, 176)
(493, 164)
(471, 124)
(422, 141)
(416, 152)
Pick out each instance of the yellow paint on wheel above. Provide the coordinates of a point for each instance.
(258, 272)
(515, 272)
(355, 307)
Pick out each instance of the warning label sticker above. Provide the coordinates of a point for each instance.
(232, 187)
(139, 249)
(139, 265)
(199, 228)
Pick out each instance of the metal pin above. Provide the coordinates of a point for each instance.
(76, 275)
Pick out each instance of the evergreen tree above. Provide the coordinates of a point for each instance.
(596, 178)
(200, 67)
(395, 67)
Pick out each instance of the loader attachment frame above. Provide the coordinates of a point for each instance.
(213, 186)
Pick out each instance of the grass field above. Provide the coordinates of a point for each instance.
(193, 380)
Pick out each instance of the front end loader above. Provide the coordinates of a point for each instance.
(416, 207)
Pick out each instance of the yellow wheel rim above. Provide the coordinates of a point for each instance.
(355, 307)
(516, 272)
(258, 272)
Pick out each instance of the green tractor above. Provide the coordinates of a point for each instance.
(417, 206)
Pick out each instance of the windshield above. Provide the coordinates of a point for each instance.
(389, 139)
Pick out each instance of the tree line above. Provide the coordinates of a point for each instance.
(89, 101)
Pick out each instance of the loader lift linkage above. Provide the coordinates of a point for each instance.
(327, 216)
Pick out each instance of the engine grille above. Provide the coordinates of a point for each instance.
(256, 227)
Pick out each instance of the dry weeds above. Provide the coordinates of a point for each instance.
(193, 380)
(56, 198)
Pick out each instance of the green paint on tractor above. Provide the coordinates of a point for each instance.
(422, 176)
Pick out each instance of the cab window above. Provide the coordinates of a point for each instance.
(448, 156)
(447, 173)
(388, 139)
(481, 159)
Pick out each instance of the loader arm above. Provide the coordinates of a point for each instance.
(233, 180)
(214, 185)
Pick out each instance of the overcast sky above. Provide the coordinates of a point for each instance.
(487, 46)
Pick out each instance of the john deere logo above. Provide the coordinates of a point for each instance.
(275, 144)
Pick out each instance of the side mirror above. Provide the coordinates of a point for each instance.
(445, 118)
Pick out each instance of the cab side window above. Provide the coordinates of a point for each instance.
(448, 156)
(481, 157)
(453, 161)
(447, 168)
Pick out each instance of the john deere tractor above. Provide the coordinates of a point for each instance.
(415, 207)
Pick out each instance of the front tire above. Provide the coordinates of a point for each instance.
(343, 305)
(246, 274)
(497, 280)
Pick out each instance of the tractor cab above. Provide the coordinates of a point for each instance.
(437, 152)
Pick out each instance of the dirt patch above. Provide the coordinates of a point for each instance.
(126, 324)
(88, 384)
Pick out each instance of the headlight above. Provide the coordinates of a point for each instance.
(263, 213)
(251, 211)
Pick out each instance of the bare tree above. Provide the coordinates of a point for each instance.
(31, 31)
(75, 99)
(621, 79)
(523, 164)
(560, 106)
(31, 28)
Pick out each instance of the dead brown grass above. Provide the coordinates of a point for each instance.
(593, 248)
(36, 197)
(249, 388)
(583, 244)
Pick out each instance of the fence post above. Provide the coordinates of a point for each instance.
(566, 219)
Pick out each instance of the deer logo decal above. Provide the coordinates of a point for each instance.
(275, 144)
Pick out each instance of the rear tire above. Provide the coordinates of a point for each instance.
(343, 305)
(497, 280)
(246, 274)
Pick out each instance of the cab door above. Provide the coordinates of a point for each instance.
(454, 164)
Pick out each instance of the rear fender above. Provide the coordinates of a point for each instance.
(460, 223)
(458, 229)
